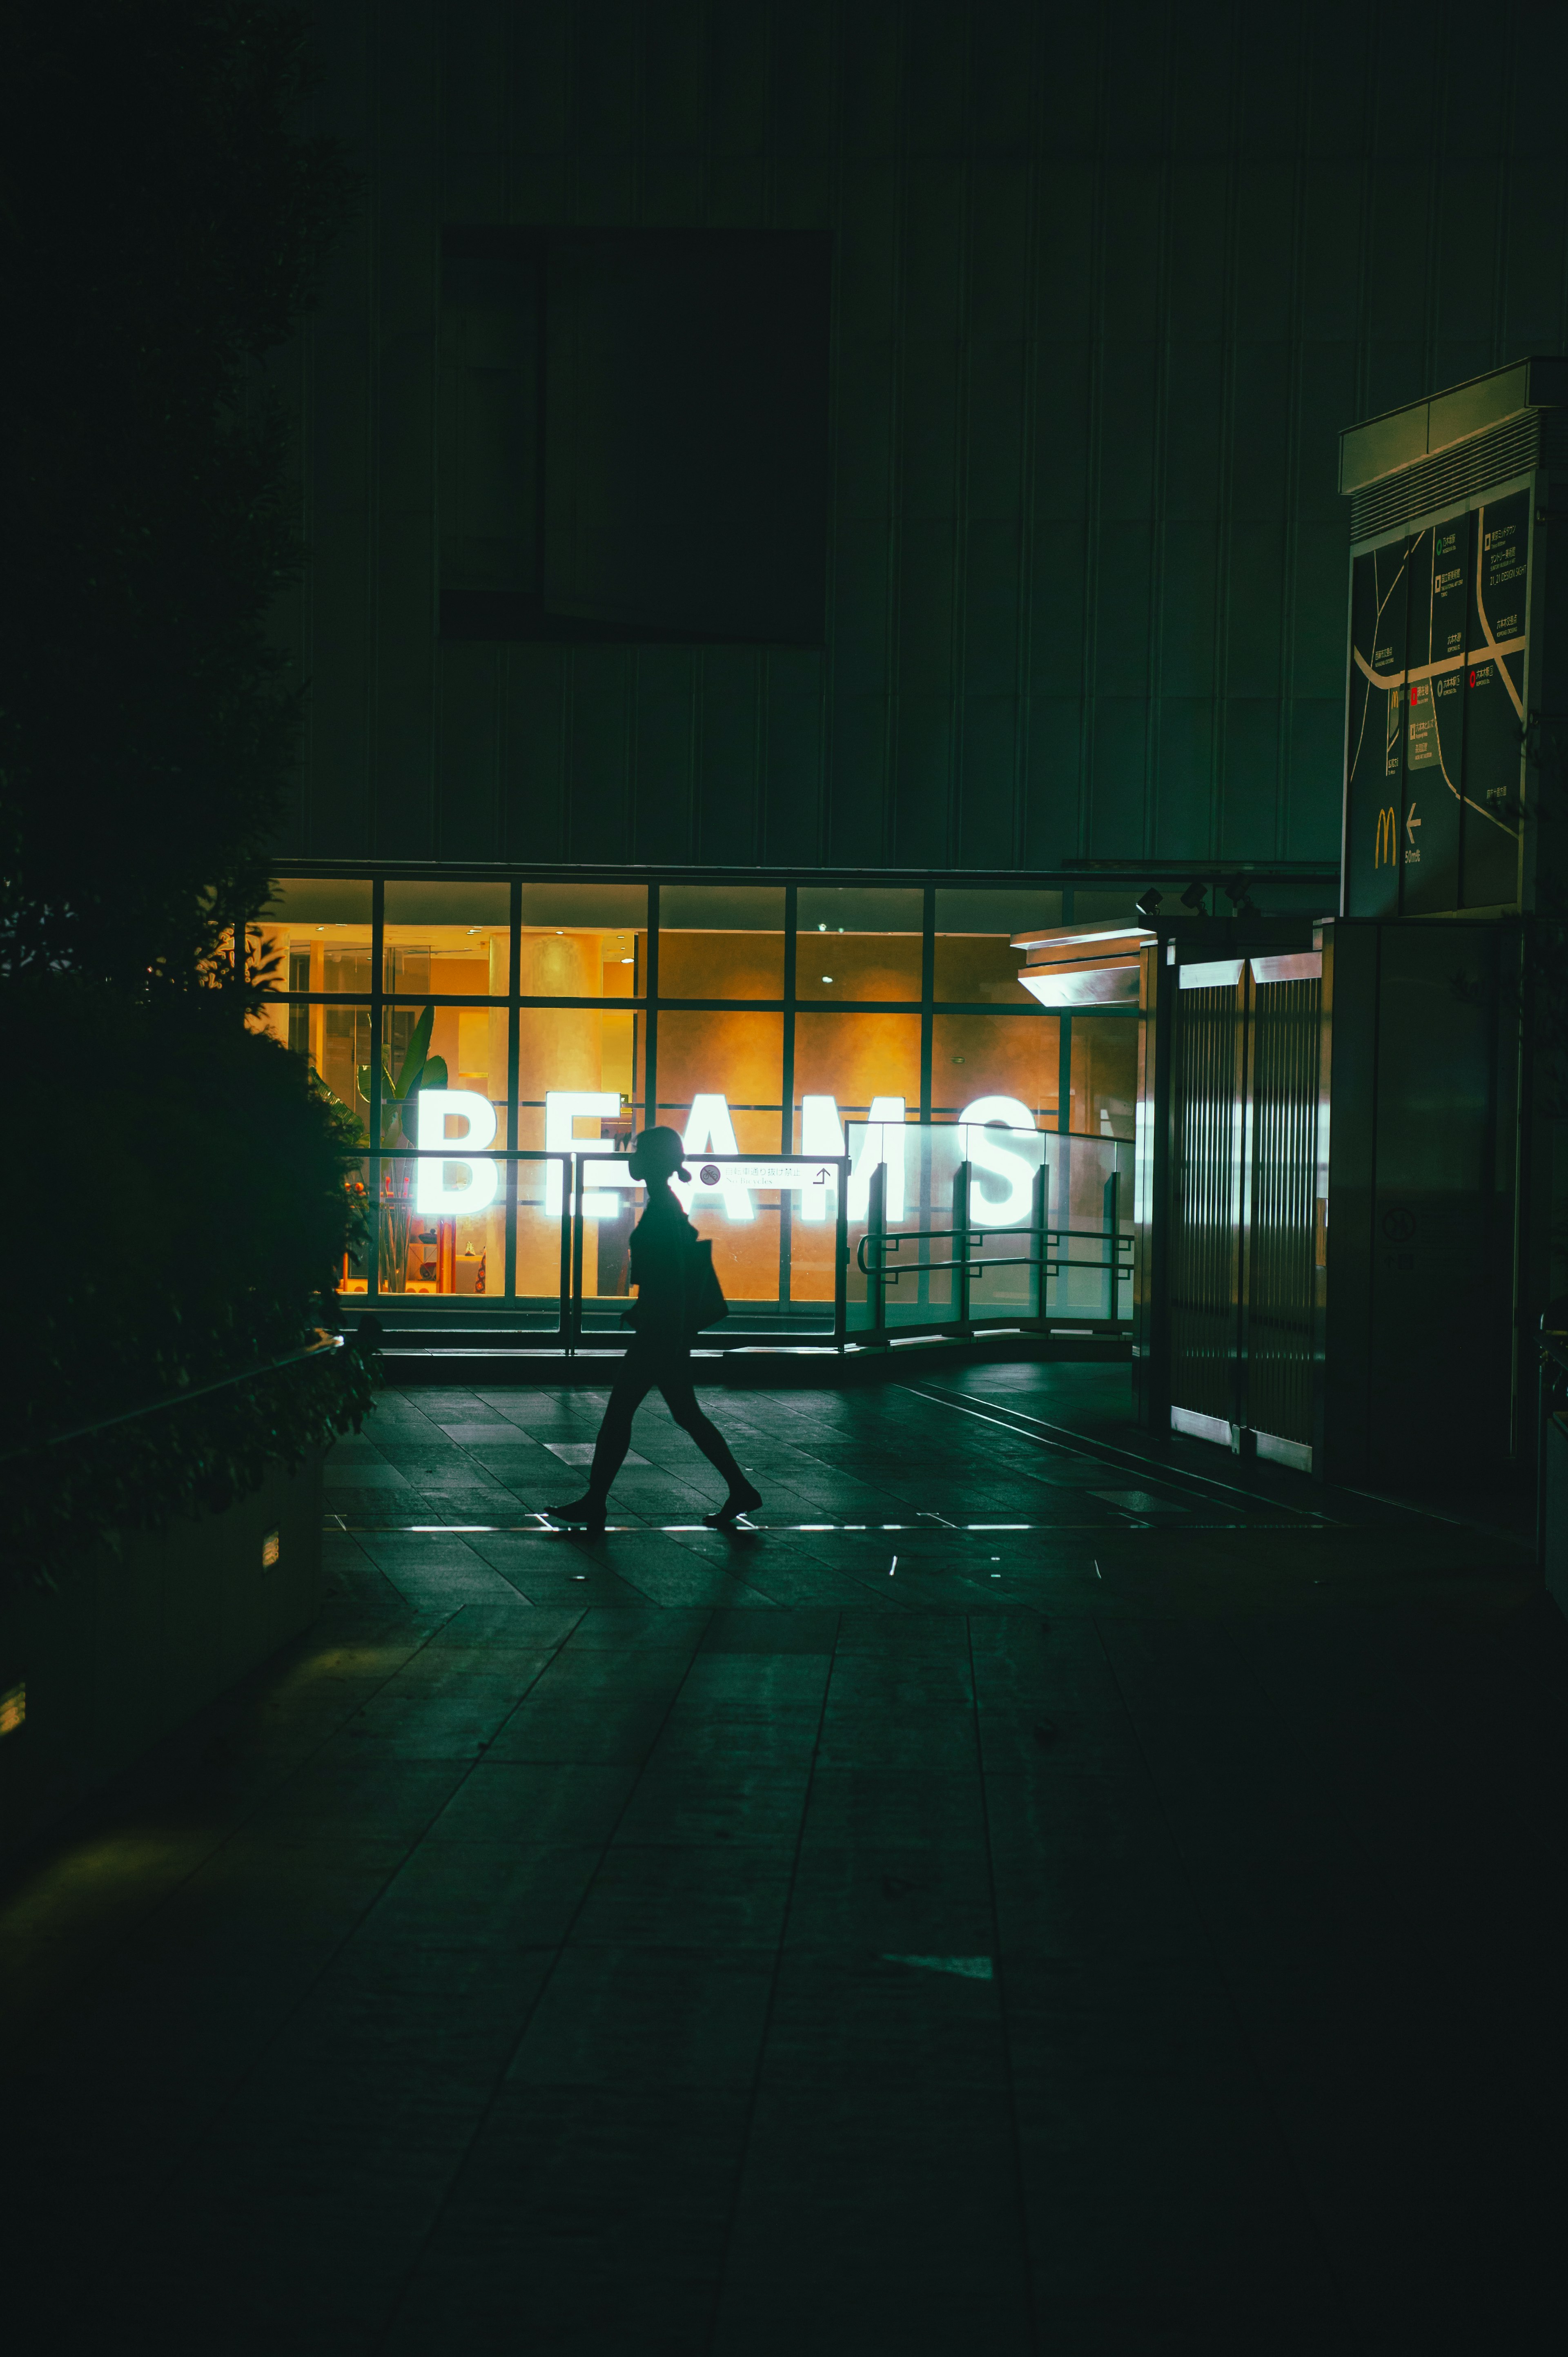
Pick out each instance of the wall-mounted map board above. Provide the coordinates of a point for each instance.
(1435, 742)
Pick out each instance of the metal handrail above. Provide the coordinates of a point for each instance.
(878, 1255)
(319, 1349)
(1120, 1246)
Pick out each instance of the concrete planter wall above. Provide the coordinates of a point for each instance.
(129, 1647)
(1552, 1475)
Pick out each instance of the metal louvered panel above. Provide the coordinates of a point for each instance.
(1209, 1044)
(1460, 473)
(1281, 1265)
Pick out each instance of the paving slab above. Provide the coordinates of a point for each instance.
(1024, 1891)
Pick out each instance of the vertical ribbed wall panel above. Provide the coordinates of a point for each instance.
(1280, 1273)
(1207, 1041)
(1107, 282)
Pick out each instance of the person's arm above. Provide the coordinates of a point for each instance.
(658, 1262)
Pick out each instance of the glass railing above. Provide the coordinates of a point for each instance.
(539, 1244)
(915, 1229)
(958, 1226)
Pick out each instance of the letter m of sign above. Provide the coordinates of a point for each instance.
(1388, 838)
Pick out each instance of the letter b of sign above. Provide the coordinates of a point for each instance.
(1388, 836)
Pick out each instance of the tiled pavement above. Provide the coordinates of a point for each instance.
(1018, 1897)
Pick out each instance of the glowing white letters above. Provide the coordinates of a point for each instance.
(821, 1132)
(986, 1152)
(433, 1193)
(710, 1128)
(884, 1144)
(562, 1108)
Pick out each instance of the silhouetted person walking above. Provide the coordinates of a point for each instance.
(665, 1269)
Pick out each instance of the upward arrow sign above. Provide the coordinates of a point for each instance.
(1410, 823)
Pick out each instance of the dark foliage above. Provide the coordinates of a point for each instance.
(186, 1191)
(161, 220)
(202, 1207)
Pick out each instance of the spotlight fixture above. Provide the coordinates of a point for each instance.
(1239, 898)
(1147, 903)
(1195, 898)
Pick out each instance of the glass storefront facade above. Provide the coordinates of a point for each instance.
(512, 1020)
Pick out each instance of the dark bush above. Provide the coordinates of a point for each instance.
(162, 223)
(178, 1192)
(177, 1213)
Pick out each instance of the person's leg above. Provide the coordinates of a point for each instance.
(675, 1382)
(633, 1381)
(629, 1389)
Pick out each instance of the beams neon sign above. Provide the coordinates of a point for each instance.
(710, 1130)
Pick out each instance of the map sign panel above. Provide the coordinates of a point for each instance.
(1379, 589)
(1494, 701)
(1434, 717)
(1437, 639)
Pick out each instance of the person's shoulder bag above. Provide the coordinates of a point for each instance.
(705, 1302)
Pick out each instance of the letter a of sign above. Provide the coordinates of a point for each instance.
(710, 1130)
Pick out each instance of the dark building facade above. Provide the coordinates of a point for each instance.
(1046, 320)
(802, 497)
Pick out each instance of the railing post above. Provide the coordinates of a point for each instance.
(509, 1236)
(1542, 1441)
(841, 1257)
(576, 1336)
(1039, 1212)
(876, 1232)
(564, 1320)
(961, 1241)
(1114, 1228)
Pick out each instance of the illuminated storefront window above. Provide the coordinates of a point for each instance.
(973, 957)
(720, 940)
(1103, 1098)
(476, 1028)
(316, 941)
(858, 942)
(447, 939)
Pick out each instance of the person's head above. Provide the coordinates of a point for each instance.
(656, 1157)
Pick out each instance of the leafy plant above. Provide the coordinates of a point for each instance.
(399, 1131)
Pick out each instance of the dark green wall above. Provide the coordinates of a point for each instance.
(1109, 280)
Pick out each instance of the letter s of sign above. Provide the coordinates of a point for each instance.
(1388, 837)
(986, 1152)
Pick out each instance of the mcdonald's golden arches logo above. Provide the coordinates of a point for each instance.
(1388, 837)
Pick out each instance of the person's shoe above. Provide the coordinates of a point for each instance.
(583, 1513)
(740, 1502)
